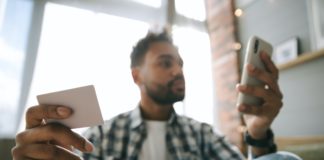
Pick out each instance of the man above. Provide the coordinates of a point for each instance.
(153, 130)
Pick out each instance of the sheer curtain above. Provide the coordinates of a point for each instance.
(190, 35)
(81, 47)
(195, 51)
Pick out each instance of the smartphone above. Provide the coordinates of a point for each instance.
(252, 56)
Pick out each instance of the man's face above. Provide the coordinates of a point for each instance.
(161, 74)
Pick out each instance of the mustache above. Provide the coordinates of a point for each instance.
(178, 77)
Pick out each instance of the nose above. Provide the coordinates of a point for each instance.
(177, 70)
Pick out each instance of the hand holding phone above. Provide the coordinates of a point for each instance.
(254, 48)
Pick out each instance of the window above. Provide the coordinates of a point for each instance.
(193, 9)
(151, 3)
(11, 65)
(79, 47)
(195, 51)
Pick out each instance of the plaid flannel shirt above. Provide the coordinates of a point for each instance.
(186, 139)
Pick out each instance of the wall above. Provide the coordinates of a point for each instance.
(225, 67)
(302, 114)
(275, 21)
(302, 85)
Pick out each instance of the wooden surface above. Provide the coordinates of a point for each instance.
(307, 147)
(283, 142)
(306, 57)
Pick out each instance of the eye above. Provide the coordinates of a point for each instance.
(166, 63)
(181, 62)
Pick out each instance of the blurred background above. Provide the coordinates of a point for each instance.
(51, 45)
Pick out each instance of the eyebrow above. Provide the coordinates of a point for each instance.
(168, 56)
(165, 56)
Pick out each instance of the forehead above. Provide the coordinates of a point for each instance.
(158, 49)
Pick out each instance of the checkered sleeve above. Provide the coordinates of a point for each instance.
(217, 147)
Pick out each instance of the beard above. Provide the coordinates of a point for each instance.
(164, 94)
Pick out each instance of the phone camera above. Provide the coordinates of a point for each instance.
(256, 46)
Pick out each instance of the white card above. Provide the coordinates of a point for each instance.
(83, 101)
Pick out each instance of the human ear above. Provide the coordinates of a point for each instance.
(136, 75)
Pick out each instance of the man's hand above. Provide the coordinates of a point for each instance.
(258, 119)
(48, 141)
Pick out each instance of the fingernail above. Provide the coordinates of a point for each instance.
(242, 108)
(88, 146)
(243, 87)
(62, 111)
(264, 54)
(251, 67)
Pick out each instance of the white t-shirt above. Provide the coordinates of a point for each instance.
(154, 146)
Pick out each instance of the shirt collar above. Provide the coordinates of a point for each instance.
(137, 119)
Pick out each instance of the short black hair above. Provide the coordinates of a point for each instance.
(142, 46)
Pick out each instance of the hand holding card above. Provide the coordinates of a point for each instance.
(83, 101)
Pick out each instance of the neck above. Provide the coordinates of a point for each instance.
(153, 111)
